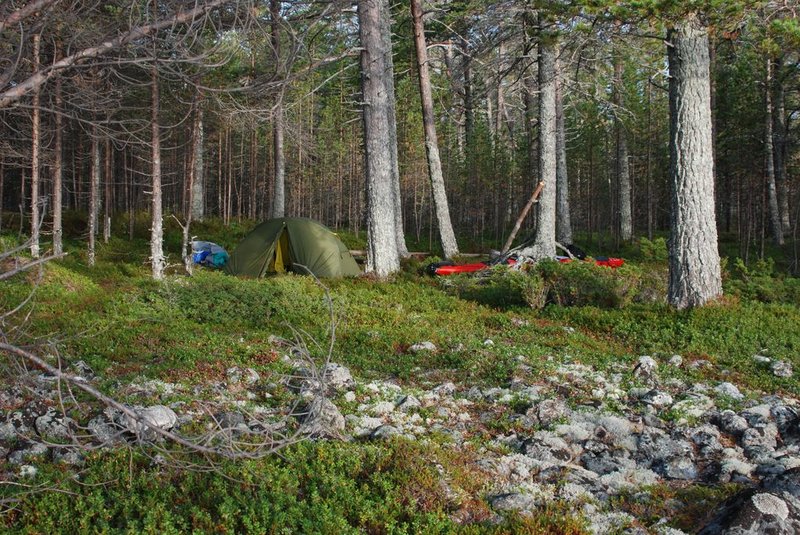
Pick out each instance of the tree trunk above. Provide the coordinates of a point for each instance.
(382, 255)
(197, 192)
(623, 169)
(563, 219)
(58, 168)
(544, 245)
(107, 195)
(279, 159)
(780, 143)
(157, 259)
(446, 234)
(36, 146)
(775, 226)
(694, 266)
(94, 194)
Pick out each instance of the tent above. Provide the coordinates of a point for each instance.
(276, 245)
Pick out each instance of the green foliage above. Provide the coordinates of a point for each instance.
(759, 283)
(585, 283)
(655, 250)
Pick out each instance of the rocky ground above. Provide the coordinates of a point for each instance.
(577, 436)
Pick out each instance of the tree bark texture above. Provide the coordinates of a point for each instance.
(279, 158)
(36, 121)
(382, 254)
(198, 190)
(156, 223)
(694, 266)
(623, 169)
(780, 142)
(769, 156)
(563, 219)
(446, 233)
(544, 245)
(94, 195)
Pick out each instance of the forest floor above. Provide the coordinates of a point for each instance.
(475, 356)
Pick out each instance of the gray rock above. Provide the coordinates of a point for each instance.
(105, 430)
(155, 416)
(28, 451)
(732, 423)
(707, 439)
(422, 346)
(787, 420)
(754, 512)
(612, 522)
(514, 501)
(758, 416)
(646, 366)
(445, 389)
(408, 403)
(68, 456)
(759, 441)
(474, 393)
(761, 359)
(676, 360)
(323, 419)
(251, 377)
(657, 398)
(729, 390)
(83, 370)
(385, 432)
(338, 377)
(230, 420)
(679, 468)
(234, 375)
(363, 426)
(549, 411)
(54, 426)
(782, 368)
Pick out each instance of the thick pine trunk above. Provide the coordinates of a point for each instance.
(623, 169)
(544, 245)
(775, 226)
(563, 219)
(779, 143)
(382, 254)
(446, 234)
(156, 223)
(94, 194)
(694, 266)
(107, 194)
(36, 147)
(58, 169)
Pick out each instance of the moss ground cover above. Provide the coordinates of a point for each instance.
(191, 328)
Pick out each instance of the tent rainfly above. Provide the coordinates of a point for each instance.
(276, 245)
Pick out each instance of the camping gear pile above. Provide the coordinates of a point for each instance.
(209, 254)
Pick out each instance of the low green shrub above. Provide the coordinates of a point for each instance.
(655, 250)
(585, 283)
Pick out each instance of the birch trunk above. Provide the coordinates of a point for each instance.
(382, 254)
(694, 266)
(446, 234)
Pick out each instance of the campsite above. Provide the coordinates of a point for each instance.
(418, 267)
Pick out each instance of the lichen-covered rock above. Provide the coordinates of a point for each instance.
(323, 419)
(754, 512)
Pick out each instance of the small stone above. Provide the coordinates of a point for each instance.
(514, 501)
(382, 408)
(26, 470)
(338, 377)
(409, 403)
(657, 398)
(350, 396)
(676, 360)
(782, 368)
(549, 411)
(732, 423)
(488, 342)
(365, 425)
(445, 389)
(385, 432)
(700, 364)
(323, 419)
(156, 416)
(769, 504)
(761, 359)
(729, 390)
(234, 375)
(422, 346)
(646, 366)
(251, 377)
(83, 369)
(680, 468)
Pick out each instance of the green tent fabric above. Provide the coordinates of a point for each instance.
(277, 244)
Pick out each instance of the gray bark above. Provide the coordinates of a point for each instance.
(107, 194)
(158, 262)
(563, 219)
(36, 142)
(382, 254)
(279, 159)
(623, 169)
(769, 155)
(446, 234)
(198, 190)
(780, 145)
(544, 245)
(94, 195)
(694, 266)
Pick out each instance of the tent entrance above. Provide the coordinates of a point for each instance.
(282, 258)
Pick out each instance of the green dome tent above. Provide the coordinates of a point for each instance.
(276, 244)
